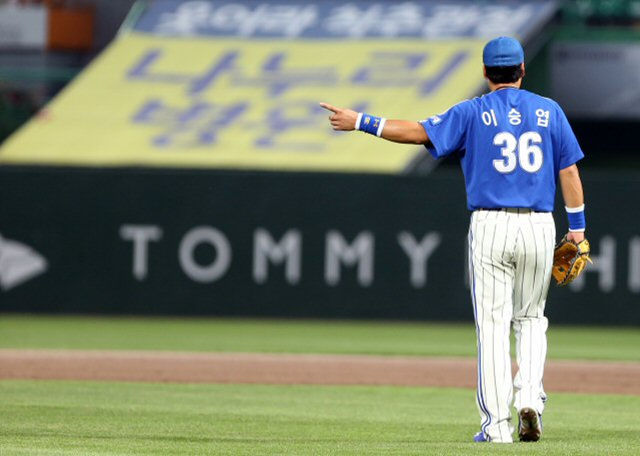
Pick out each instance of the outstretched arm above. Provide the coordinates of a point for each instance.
(573, 195)
(400, 131)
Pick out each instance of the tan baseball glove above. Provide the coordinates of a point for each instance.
(569, 260)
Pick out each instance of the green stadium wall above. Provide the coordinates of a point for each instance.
(277, 245)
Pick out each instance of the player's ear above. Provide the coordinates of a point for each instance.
(484, 71)
(523, 69)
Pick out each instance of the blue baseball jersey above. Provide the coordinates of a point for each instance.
(512, 145)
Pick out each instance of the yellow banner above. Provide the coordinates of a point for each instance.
(230, 103)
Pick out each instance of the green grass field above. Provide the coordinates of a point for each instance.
(101, 418)
(281, 336)
(56, 418)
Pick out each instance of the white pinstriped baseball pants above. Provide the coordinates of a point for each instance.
(510, 260)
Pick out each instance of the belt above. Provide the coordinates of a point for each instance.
(509, 209)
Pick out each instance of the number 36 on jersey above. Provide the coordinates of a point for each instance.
(523, 151)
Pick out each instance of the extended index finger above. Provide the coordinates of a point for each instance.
(329, 107)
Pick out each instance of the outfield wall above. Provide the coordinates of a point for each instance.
(279, 245)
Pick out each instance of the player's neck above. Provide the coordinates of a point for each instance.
(511, 85)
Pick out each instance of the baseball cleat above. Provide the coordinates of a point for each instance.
(480, 437)
(530, 426)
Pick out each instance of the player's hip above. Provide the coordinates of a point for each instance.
(512, 214)
(502, 235)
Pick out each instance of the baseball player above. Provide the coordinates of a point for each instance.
(513, 147)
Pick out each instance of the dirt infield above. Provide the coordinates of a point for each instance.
(567, 376)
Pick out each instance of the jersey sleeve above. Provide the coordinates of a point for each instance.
(447, 131)
(570, 151)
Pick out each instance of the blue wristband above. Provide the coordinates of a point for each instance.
(577, 221)
(370, 124)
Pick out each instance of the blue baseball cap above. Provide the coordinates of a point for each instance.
(502, 51)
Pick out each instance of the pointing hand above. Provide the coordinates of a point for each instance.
(341, 119)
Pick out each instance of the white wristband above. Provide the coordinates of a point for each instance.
(381, 127)
(574, 210)
(358, 120)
